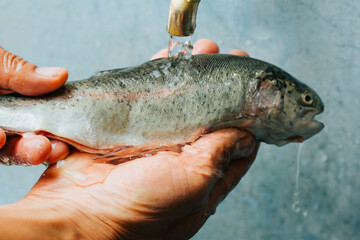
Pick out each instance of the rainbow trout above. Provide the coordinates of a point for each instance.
(169, 102)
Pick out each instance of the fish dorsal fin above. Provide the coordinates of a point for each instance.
(110, 71)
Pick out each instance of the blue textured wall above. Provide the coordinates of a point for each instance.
(316, 41)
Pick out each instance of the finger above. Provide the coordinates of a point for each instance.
(28, 149)
(5, 92)
(205, 46)
(163, 53)
(2, 138)
(214, 151)
(59, 150)
(25, 78)
(239, 53)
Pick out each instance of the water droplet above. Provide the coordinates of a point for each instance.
(60, 163)
(148, 155)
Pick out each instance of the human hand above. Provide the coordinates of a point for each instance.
(20, 76)
(166, 196)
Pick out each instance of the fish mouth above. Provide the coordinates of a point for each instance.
(317, 126)
(308, 126)
(312, 128)
(314, 125)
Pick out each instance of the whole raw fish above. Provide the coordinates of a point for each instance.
(169, 101)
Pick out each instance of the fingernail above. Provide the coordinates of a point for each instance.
(243, 148)
(49, 71)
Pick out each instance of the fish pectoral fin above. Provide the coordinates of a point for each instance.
(73, 143)
(128, 153)
(240, 123)
(12, 132)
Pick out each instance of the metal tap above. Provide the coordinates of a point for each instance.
(182, 17)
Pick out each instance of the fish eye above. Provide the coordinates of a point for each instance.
(307, 99)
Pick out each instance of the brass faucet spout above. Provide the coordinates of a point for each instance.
(182, 17)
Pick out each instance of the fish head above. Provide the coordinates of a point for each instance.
(287, 107)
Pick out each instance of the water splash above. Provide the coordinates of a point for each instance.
(180, 46)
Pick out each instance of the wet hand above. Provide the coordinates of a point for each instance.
(166, 196)
(20, 76)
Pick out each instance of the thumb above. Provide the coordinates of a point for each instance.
(20, 76)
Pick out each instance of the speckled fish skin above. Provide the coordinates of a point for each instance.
(170, 101)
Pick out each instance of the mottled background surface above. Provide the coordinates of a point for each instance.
(316, 41)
